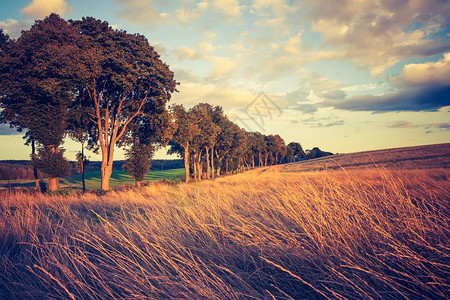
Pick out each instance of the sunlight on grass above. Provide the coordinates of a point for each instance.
(120, 178)
(262, 234)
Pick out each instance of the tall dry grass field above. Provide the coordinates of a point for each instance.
(264, 234)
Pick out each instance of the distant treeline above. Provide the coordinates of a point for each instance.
(22, 169)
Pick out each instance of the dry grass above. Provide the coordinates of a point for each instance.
(260, 235)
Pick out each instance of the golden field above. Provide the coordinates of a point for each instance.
(274, 233)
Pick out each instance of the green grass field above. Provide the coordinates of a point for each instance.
(93, 179)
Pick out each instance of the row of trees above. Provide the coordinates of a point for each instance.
(210, 143)
(106, 88)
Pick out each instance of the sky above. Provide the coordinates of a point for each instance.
(341, 75)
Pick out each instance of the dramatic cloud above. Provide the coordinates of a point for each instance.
(379, 33)
(426, 74)
(41, 8)
(420, 87)
(412, 99)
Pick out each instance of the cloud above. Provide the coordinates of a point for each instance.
(229, 8)
(419, 87)
(41, 8)
(332, 124)
(405, 124)
(402, 124)
(218, 93)
(306, 108)
(6, 130)
(431, 73)
(14, 27)
(186, 53)
(140, 11)
(445, 126)
(184, 76)
(221, 66)
(377, 34)
(412, 99)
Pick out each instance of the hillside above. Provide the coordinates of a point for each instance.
(406, 158)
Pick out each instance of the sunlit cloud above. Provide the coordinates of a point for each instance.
(41, 8)
(430, 73)
(230, 8)
(378, 34)
(140, 12)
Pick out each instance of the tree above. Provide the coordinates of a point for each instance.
(290, 153)
(271, 149)
(206, 137)
(227, 140)
(39, 75)
(78, 129)
(298, 150)
(139, 158)
(259, 147)
(53, 163)
(4, 40)
(131, 80)
(186, 129)
(80, 163)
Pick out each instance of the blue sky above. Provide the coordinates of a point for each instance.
(345, 76)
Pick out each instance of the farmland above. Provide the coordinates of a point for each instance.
(367, 225)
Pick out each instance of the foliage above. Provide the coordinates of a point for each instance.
(297, 150)
(52, 163)
(139, 158)
(129, 84)
(81, 162)
(39, 76)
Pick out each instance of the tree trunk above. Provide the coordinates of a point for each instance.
(53, 184)
(137, 183)
(208, 174)
(186, 161)
(194, 165)
(82, 167)
(35, 171)
(200, 168)
(212, 163)
(106, 172)
(107, 164)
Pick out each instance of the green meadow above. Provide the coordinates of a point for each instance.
(92, 179)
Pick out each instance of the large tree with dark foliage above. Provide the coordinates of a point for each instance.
(39, 76)
(130, 81)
